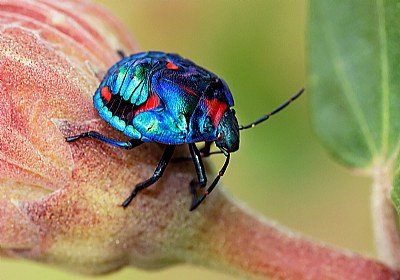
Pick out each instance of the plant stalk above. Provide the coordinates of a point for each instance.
(384, 217)
(246, 244)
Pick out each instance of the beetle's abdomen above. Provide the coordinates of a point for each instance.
(122, 92)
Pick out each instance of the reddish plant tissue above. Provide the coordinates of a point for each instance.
(60, 202)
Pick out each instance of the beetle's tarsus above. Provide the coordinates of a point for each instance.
(129, 199)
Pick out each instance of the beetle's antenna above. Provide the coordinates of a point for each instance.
(266, 117)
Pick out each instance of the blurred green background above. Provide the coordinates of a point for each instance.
(281, 170)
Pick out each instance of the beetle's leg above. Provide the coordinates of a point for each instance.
(198, 164)
(121, 53)
(158, 172)
(221, 173)
(95, 135)
(204, 152)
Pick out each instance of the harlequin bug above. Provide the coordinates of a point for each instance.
(164, 98)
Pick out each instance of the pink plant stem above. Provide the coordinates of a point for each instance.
(249, 245)
(384, 216)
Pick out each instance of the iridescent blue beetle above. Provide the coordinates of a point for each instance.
(164, 98)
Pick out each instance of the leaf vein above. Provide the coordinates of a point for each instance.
(384, 75)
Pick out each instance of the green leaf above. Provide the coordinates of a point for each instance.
(354, 52)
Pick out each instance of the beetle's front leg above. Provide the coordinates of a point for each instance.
(200, 171)
(198, 164)
(204, 152)
(198, 201)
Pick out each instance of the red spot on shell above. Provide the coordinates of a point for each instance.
(216, 110)
(106, 93)
(171, 65)
(152, 102)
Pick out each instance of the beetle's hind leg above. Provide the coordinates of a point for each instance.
(95, 135)
(158, 172)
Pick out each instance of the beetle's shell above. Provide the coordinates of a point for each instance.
(159, 97)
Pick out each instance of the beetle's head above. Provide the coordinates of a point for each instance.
(228, 132)
(227, 127)
(213, 119)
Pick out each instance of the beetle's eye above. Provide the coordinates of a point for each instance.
(220, 136)
(171, 65)
(233, 111)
